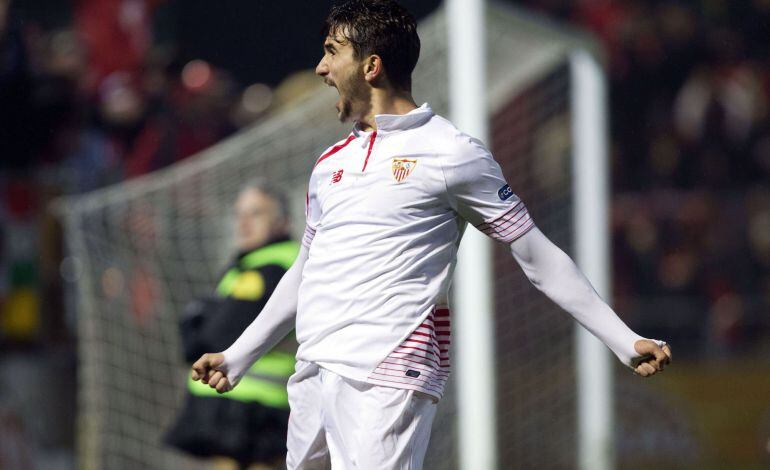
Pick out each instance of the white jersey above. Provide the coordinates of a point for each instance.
(385, 214)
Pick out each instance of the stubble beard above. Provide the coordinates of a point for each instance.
(344, 109)
(346, 105)
(353, 99)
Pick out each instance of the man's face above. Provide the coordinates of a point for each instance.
(340, 69)
(257, 220)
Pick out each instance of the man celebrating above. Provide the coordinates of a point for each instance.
(386, 209)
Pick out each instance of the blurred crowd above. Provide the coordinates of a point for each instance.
(690, 149)
(98, 93)
(91, 97)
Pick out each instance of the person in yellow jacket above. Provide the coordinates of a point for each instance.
(248, 426)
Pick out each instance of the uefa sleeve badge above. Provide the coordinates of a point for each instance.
(402, 168)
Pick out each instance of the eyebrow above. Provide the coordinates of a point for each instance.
(328, 46)
(340, 38)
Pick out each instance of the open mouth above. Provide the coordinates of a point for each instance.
(338, 104)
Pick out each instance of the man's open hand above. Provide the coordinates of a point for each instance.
(652, 358)
(207, 369)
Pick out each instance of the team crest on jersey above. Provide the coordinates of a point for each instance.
(402, 168)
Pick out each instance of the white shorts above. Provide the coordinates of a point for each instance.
(345, 424)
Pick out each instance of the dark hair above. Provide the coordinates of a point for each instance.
(381, 27)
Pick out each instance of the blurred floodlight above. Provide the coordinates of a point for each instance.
(257, 98)
(196, 74)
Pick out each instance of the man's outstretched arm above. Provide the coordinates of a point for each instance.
(223, 370)
(556, 275)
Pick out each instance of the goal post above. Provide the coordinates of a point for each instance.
(474, 309)
(592, 254)
(475, 375)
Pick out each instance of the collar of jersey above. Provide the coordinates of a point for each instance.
(399, 122)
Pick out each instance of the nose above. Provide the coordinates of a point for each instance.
(322, 69)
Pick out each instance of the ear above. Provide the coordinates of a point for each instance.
(373, 68)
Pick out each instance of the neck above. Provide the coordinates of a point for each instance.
(386, 102)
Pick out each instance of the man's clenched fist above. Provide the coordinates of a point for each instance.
(653, 358)
(208, 370)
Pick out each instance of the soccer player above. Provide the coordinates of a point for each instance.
(386, 208)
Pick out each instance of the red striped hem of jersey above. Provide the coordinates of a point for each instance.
(415, 348)
(421, 362)
(437, 394)
(423, 380)
(419, 346)
(444, 312)
(307, 237)
(416, 365)
(436, 386)
(429, 355)
(420, 333)
(426, 379)
(433, 342)
(426, 343)
(334, 149)
(434, 361)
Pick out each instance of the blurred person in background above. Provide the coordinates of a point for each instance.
(249, 425)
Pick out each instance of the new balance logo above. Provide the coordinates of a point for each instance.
(337, 176)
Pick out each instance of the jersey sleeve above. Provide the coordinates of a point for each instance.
(478, 192)
(312, 212)
(236, 312)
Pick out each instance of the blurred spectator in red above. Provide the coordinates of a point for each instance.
(117, 35)
(189, 112)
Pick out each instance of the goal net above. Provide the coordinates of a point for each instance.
(140, 250)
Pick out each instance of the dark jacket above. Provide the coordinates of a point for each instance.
(248, 423)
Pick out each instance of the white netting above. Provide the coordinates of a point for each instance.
(536, 384)
(146, 247)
